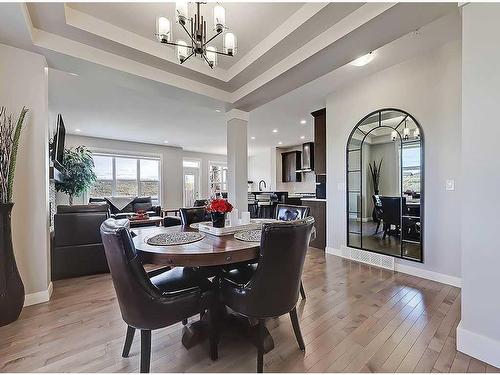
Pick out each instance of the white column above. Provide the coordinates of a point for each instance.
(478, 333)
(237, 158)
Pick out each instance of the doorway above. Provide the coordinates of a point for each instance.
(191, 182)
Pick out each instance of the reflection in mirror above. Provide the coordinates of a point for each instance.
(384, 185)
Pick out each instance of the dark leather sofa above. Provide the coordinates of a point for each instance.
(139, 203)
(78, 248)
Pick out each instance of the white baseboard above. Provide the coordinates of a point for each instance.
(430, 275)
(38, 297)
(478, 346)
(414, 271)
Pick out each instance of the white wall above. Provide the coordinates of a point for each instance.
(23, 81)
(171, 165)
(428, 87)
(308, 183)
(479, 331)
(262, 166)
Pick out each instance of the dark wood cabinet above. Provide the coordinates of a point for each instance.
(319, 141)
(290, 164)
(318, 211)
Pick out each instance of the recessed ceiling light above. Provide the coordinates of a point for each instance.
(217, 110)
(275, 130)
(280, 143)
(363, 60)
(302, 137)
(77, 130)
(303, 122)
(165, 141)
(252, 137)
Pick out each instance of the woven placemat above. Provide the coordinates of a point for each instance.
(174, 238)
(249, 235)
(197, 225)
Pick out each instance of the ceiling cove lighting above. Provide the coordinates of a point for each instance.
(196, 30)
(363, 60)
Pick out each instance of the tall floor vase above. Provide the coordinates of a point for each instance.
(11, 285)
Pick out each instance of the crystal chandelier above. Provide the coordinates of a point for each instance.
(196, 29)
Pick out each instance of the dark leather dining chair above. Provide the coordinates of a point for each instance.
(391, 213)
(200, 203)
(288, 212)
(149, 302)
(272, 289)
(193, 215)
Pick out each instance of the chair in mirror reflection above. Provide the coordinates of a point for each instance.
(385, 185)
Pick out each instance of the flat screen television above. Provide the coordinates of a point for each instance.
(58, 143)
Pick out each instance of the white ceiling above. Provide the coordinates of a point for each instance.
(251, 22)
(106, 103)
(282, 45)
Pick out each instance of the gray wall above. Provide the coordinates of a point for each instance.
(428, 87)
(479, 331)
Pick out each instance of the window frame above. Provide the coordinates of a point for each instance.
(138, 159)
(222, 165)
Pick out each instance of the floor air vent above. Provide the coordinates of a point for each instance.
(367, 257)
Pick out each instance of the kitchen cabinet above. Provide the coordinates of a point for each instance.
(290, 164)
(319, 141)
(317, 209)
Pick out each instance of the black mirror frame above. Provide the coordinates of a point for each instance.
(422, 182)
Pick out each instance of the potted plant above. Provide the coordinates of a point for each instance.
(78, 172)
(375, 171)
(11, 285)
(218, 208)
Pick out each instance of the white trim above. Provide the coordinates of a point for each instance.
(414, 271)
(38, 297)
(237, 114)
(478, 346)
(429, 275)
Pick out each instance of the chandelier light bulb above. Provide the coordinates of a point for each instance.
(181, 11)
(182, 50)
(212, 55)
(163, 29)
(230, 44)
(406, 133)
(219, 18)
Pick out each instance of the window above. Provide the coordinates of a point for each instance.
(411, 168)
(124, 175)
(217, 178)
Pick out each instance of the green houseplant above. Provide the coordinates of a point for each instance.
(11, 285)
(78, 172)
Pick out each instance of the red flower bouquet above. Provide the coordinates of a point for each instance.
(218, 208)
(219, 205)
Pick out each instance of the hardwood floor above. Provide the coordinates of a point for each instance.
(355, 319)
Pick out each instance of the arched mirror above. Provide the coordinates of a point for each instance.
(385, 185)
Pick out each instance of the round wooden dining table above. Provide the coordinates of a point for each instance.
(209, 251)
